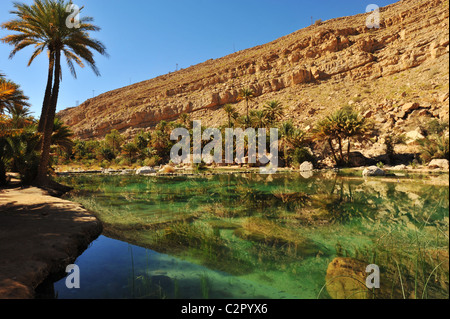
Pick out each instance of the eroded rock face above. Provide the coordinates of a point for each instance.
(343, 50)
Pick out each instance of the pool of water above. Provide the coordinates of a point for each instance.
(114, 269)
(258, 236)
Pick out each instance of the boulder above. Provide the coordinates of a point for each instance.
(306, 167)
(439, 163)
(357, 159)
(409, 107)
(145, 170)
(373, 171)
(127, 171)
(413, 137)
(400, 167)
(345, 279)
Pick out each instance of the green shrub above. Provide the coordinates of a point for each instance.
(302, 154)
(151, 162)
(434, 147)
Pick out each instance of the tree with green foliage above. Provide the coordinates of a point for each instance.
(273, 111)
(258, 119)
(114, 140)
(343, 124)
(62, 136)
(130, 150)
(43, 25)
(231, 113)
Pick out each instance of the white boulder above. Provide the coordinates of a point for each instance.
(306, 167)
(439, 163)
(373, 171)
(145, 170)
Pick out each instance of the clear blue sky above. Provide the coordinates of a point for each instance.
(147, 38)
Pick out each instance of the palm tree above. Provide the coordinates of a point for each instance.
(354, 126)
(274, 111)
(259, 119)
(62, 136)
(43, 25)
(130, 149)
(247, 95)
(114, 140)
(231, 113)
(286, 131)
(185, 120)
(324, 132)
(12, 98)
(343, 124)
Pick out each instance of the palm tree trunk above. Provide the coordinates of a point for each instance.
(2, 173)
(341, 153)
(42, 179)
(332, 151)
(246, 102)
(348, 151)
(48, 94)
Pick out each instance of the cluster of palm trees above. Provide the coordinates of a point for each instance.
(271, 113)
(345, 125)
(13, 120)
(43, 26)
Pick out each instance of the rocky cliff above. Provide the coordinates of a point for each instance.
(397, 75)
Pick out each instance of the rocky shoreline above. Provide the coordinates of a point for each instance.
(168, 170)
(40, 235)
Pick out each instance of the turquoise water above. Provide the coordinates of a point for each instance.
(258, 236)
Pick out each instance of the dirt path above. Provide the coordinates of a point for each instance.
(39, 235)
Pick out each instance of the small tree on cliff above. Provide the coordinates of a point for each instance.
(246, 95)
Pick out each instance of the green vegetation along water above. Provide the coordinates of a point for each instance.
(264, 236)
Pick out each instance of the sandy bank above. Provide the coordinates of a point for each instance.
(39, 236)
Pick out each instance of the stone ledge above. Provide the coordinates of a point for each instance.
(39, 236)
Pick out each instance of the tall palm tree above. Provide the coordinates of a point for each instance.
(43, 25)
(247, 95)
(354, 126)
(324, 132)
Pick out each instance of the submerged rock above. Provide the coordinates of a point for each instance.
(346, 279)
